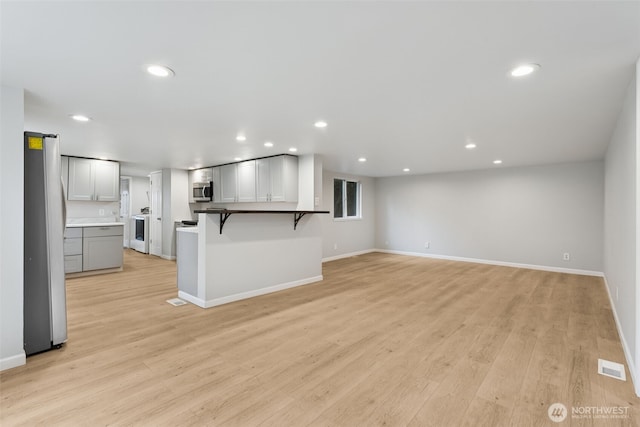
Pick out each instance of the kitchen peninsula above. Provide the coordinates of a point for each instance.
(255, 252)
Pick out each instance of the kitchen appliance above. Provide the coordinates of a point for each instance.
(140, 233)
(202, 191)
(45, 308)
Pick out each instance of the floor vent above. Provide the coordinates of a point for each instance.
(611, 369)
(176, 302)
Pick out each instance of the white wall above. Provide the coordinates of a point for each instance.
(175, 207)
(11, 227)
(309, 173)
(273, 256)
(86, 210)
(350, 236)
(140, 193)
(529, 215)
(621, 226)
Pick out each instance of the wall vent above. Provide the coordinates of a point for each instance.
(176, 302)
(611, 369)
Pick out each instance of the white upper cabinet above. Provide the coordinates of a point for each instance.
(247, 181)
(277, 179)
(107, 181)
(93, 180)
(81, 179)
(270, 179)
(217, 190)
(238, 182)
(228, 183)
(198, 175)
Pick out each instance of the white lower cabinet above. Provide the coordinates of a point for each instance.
(102, 247)
(73, 250)
(72, 263)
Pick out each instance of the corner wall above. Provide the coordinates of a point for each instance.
(348, 237)
(175, 207)
(11, 227)
(621, 226)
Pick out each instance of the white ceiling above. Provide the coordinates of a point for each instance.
(404, 84)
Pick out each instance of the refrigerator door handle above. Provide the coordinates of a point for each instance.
(64, 204)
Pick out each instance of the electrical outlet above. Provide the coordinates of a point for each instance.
(101, 211)
(335, 246)
(386, 243)
(566, 256)
(616, 294)
(427, 245)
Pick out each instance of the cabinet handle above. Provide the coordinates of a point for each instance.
(104, 228)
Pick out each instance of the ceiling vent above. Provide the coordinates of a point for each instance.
(611, 369)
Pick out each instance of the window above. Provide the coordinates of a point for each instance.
(346, 199)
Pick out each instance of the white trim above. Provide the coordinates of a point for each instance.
(193, 300)
(13, 361)
(623, 341)
(249, 294)
(168, 257)
(348, 255)
(500, 263)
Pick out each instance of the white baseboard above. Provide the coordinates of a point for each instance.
(193, 300)
(168, 257)
(500, 263)
(349, 255)
(249, 294)
(625, 347)
(13, 361)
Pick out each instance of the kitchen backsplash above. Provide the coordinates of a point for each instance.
(94, 211)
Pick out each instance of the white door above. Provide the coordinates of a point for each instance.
(155, 214)
(125, 207)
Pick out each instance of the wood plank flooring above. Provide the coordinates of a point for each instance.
(384, 340)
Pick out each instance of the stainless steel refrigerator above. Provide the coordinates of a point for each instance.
(45, 307)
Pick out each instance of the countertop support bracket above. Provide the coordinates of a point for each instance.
(223, 218)
(297, 216)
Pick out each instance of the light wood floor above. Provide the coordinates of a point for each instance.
(383, 340)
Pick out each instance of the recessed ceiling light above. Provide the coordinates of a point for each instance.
(241, 138)
(160, 71)
(362, 159)
(268, 144)
(320, 124)
(293, 149)
(191, 168)
(237, 159)
(80, 118)
(470, 146)
(406, 170)
(497, 162)
(524, 70)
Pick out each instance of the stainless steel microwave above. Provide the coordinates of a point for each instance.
(202, 191)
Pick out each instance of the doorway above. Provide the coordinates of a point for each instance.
(155, 214)
(125, 207)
